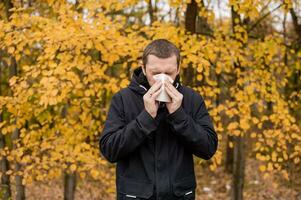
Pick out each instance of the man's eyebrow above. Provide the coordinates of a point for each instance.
(155, 71)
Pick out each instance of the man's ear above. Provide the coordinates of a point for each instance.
(143, 70)
(178, 71)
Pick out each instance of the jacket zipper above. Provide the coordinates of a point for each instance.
(177, 84)
(155, 166)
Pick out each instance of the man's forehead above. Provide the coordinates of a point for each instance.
(158, 68)
(155, 63)
(153, 58)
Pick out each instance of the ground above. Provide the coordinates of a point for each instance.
(211, 185)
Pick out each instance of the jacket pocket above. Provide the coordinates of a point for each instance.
(185, 187)
(133, 189)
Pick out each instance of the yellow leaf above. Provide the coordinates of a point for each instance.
(11, 50)
(285, 174)
(82, 175)
(255, 120)
(232, 126)
(27, 51)
(244, 124)
(297, 160)
(54, 92)
(237, 133)
(199, 77)
(199, 68)
(9, 172)
(259, 125)
(285, 156)
(12, 80)
(212, 167)
(18, 56)
(73, 167)
(89, 44)
(270, 166)
(94, 173)
(265, 175)
(87, 93)
(274, 156)
(262, 168)
(253, 135)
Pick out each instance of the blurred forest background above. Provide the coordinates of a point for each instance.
(61, 61)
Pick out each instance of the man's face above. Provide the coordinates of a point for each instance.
(157, 65)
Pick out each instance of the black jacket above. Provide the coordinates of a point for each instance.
(155, 155)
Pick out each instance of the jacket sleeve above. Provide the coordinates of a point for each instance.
(119, 139)
(197, 132)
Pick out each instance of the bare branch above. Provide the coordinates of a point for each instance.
(263, 17)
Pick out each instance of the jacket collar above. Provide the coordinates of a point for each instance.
(140, 84)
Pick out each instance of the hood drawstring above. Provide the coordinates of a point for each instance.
(143, 87)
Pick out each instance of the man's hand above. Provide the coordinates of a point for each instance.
(149, 98)
(176, 97)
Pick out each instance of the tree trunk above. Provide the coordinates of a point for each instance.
(239, 141)
(4, 164)
(238, 168)
(151, 12)
(69, 185)
(203, 26)
(190, 16)
(229, 155)
(294, 81)
(20, 189)
(297, 28)
(190, 26)
(69, 178)
(8, 5)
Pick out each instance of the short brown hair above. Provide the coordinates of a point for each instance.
(161, 48)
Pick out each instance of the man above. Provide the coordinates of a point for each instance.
(153, 143)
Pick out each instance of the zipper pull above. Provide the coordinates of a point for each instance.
(188, 193)
(131, 196)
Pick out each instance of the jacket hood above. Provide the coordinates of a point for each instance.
(140, 84)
